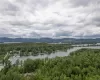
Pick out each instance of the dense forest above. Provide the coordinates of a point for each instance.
(26, 49)
(83, 64)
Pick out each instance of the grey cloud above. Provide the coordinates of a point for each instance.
(80, 2)
(9, 35)
(20, 23)
(8, 8)
(38, 18)
(93, 36)
(88, 36)
(34, 35)
(11, 7)
(34, 4)
(93, 21)
(97, 19)
(83, 2)
(63, 33)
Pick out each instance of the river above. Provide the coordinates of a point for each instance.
(13, 59)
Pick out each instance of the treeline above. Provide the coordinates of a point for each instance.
(25, 49)
(80, 65)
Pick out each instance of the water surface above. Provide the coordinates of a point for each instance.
(13, 59)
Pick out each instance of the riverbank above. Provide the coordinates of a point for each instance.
(82, 64)
(15, 58)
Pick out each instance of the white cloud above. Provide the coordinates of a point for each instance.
(49, 18)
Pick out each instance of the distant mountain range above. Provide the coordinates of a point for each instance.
(49, 40)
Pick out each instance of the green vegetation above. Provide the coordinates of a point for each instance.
(1, 57)
(26, 49)
(83, 64)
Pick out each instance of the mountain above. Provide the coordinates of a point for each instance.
(49, 40)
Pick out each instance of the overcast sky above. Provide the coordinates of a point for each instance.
(50, 18)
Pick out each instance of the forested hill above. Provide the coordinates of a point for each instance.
(49, 40)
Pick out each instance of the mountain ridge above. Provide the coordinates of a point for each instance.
(49, 40)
